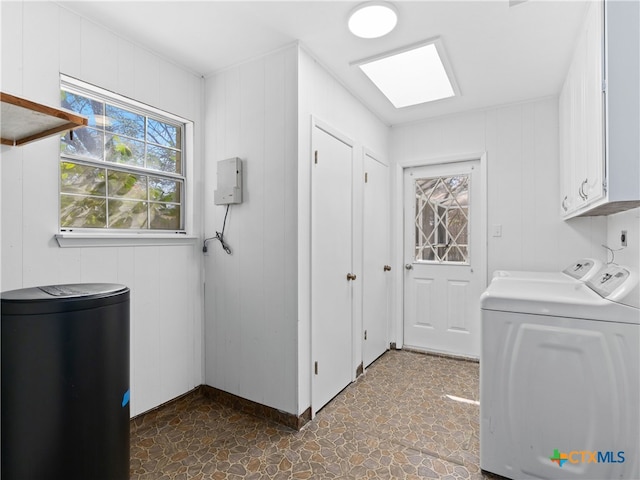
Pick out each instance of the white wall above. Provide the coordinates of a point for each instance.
(629, 221)
(322, 96)
(251, 295)
(521, 142)
(40, 40)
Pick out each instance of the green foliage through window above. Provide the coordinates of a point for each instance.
(124, 170)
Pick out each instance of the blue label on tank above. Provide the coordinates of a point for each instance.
(125, 398)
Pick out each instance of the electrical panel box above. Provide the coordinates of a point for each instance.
(229, 182)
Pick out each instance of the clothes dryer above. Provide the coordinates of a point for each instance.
(559, 390)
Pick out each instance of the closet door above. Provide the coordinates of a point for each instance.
(331, 265)
(376, 269)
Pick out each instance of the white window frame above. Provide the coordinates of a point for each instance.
(83, 237)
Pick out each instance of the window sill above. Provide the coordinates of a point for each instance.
(70, 240)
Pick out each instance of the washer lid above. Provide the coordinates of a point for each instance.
(567, 300)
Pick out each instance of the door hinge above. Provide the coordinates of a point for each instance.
(365, 334)
(315, 368)
(604, 85)
(366, 177)
(315, 157)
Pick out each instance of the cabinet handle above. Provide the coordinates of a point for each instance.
(581, 191)
(564, 203)
(351, 276)
(387, 268)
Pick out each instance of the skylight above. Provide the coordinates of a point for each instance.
(410, 77)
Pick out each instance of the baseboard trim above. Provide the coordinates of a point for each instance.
(442, 354)
(233, 401)
(257, 409)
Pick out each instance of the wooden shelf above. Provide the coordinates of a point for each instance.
(23, 121)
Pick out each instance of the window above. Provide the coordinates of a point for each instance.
(126, 169)
(442, 218)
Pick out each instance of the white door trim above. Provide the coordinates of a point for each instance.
(398, 238)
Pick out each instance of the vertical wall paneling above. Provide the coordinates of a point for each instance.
(11, 55)
(41, 60)
(545, 158)
(291, 325)
(70, 48)
(176, 335)
(527, 185)
(147, 74)
(99, 56)
(250, 246)
(163, 280)
(508, 166)
(126, 69)
(12, 216)
(99, 264)
(274, 190)
(629, 221)
(147, 323)
(40, 212)
(251, 325)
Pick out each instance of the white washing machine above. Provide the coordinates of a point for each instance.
(582, 270)
(559, 369)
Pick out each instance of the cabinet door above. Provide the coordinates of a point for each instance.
(581, 119)
(594, 169)
(579, 123)
(566, 160)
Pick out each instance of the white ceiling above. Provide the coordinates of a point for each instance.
(499, 54)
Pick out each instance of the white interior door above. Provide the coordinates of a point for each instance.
(376, 264)
(331, 263)
(444, 257)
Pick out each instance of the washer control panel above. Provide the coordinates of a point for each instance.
(583, 269)
(618, 284)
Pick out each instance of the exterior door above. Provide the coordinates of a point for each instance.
(331, 263)
(445, 266)
(376, 264)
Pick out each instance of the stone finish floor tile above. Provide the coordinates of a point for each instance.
(395, 421)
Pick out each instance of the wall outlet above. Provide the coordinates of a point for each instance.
(623, 238)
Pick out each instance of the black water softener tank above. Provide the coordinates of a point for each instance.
(65, 382)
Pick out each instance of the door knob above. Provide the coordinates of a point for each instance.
(387, 268)
(408, 266)
(351, 276)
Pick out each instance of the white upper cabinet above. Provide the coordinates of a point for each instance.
(600, 114)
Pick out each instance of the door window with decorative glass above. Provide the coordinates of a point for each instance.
(125, 169)
(442, 219)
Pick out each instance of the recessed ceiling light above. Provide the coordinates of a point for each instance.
(372, 20)
(411, 76)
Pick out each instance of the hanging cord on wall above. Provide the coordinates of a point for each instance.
(219, 236)
(613, 253)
